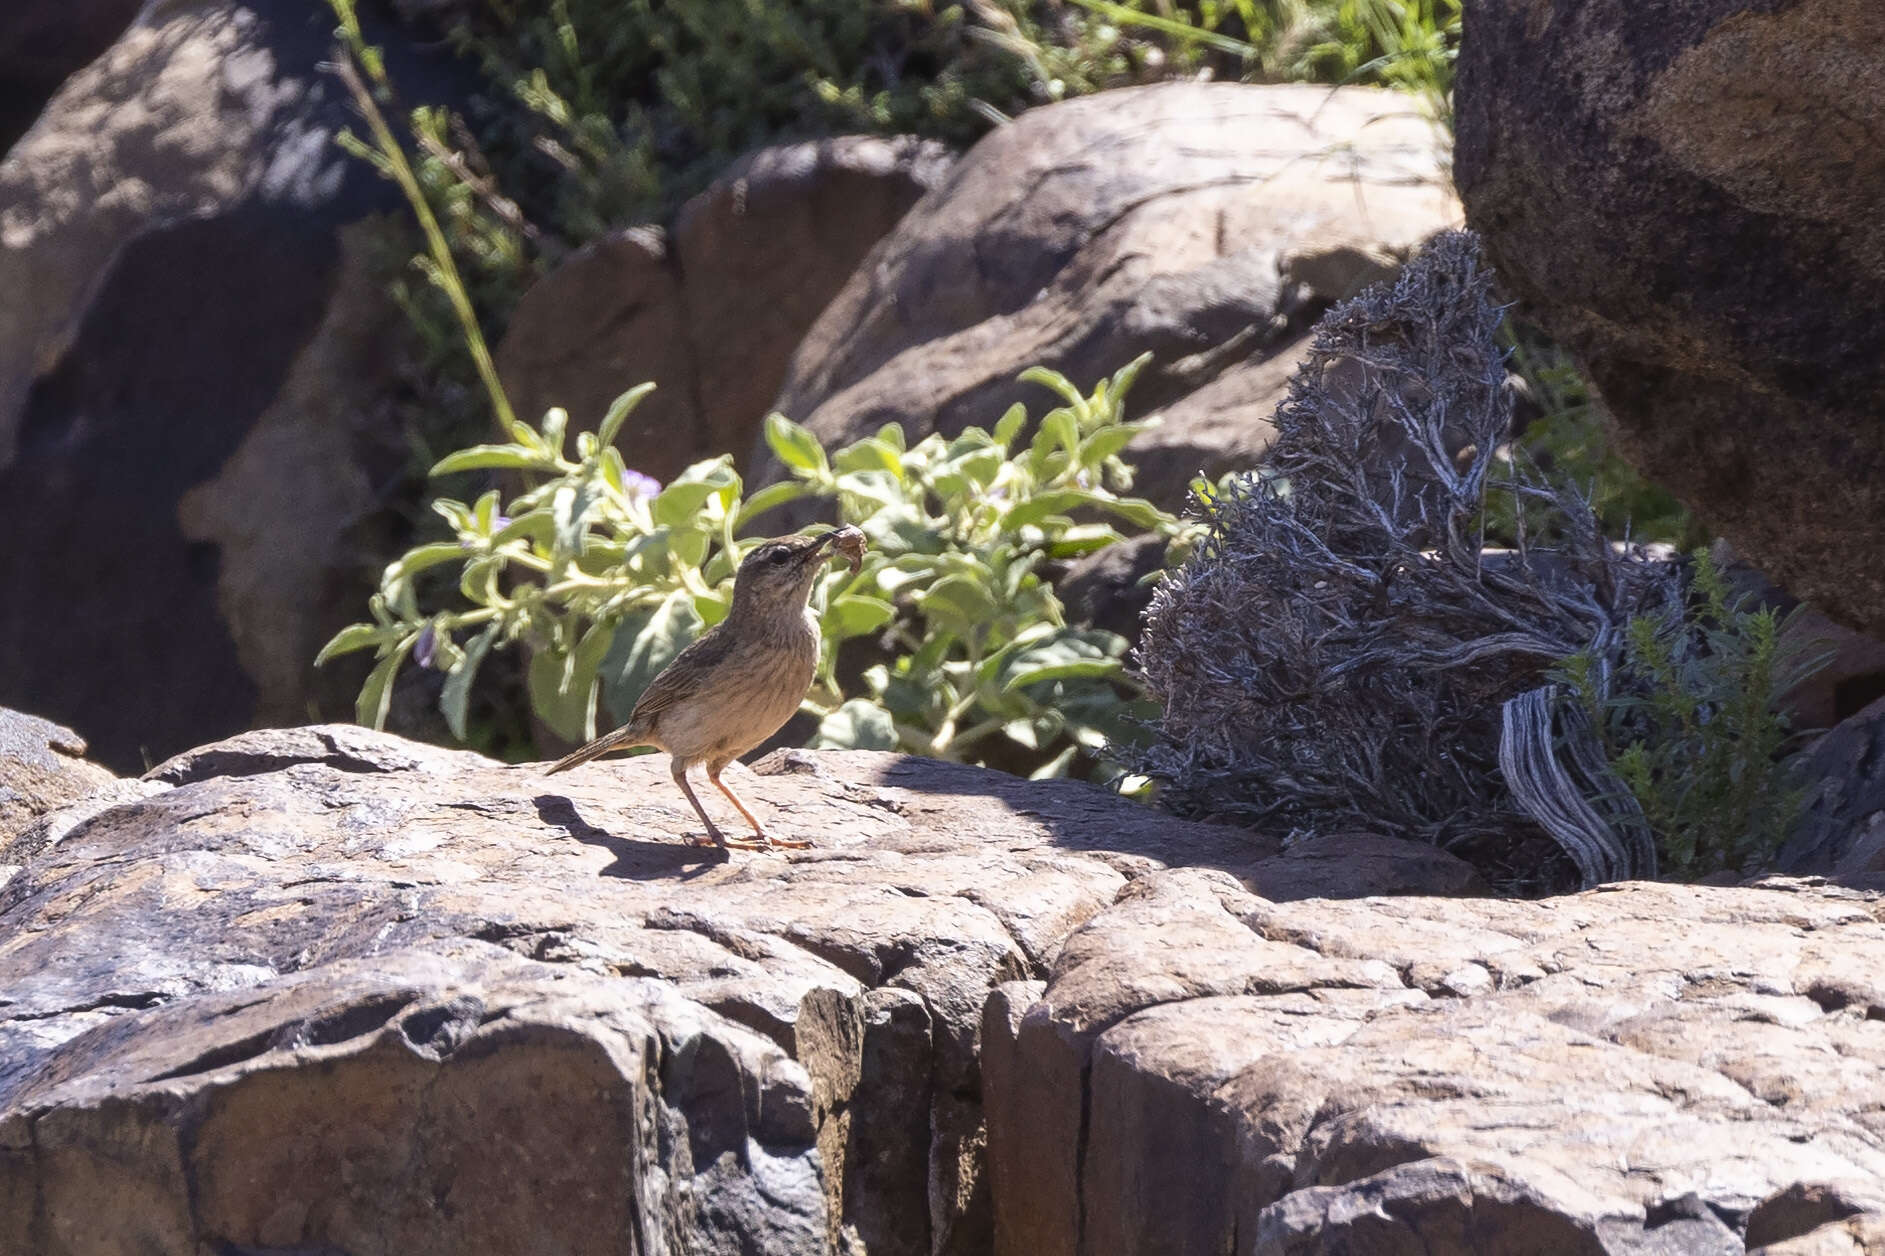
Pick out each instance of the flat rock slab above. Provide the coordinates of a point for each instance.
(1642, 1068)
(286, 1002)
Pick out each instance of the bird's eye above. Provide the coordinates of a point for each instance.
(778, 556)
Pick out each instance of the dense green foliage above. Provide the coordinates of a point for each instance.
(1689, 724)
(602, 576)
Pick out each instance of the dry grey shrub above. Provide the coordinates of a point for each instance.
(1338, 652)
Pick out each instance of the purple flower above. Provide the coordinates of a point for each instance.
(637, 485)
(498, 524)
(425, 649)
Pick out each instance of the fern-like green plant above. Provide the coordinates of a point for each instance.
(1692, 728)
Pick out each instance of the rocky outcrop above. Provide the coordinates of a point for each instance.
(1639, 1068)
(43, 769)
(296, 996)
(325, 989)
(1686, 198)
(175, 276)
(1207, 222)
(366, 933)
(410, 957)
(712, 310)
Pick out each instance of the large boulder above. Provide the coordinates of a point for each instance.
(1642, 1068)
(325, 989)
(332, 990)
(421, 962)
(1209, 223)
(1684, 195)
(711, 310)
(193, 366)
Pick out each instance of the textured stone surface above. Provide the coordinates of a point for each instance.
(711, 311)
(315, 946)
(42, 768)
(295, 998)
(1685, 195)
(169, 259)
(1640, 1068)
(1208, 223)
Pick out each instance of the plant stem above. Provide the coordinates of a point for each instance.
(349, 70)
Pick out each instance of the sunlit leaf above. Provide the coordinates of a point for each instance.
(455, 697)
(376, 696)
(859, 724)
(795, 446)
(619, 410)
(485, 457)
(854, 615)
(349, 639)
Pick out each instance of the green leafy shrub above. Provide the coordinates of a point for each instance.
(1409, 44)
(1690, 725)
(602, 576)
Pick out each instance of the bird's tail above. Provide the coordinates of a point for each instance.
(624, 738)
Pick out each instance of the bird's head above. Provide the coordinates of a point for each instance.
(780, 572)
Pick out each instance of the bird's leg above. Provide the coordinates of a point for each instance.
(713, 774)
(715, 836)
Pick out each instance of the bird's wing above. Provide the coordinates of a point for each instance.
(682, 678)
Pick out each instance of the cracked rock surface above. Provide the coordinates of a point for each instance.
(325, 990)
(1642, 1068)
(329, 990)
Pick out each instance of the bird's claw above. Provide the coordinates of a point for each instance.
(720, 841)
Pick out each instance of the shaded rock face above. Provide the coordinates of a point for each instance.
(1208, 223)
(1841, 829)
(43, 41)
(1639, 1068)
(185, 333)
(1682, 195)
(712, 310)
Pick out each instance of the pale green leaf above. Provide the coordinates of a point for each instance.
(485, 457)
(854, 615)
(795, 446)
(455, 697)
(859, 724)
(349, 639)
(619, 410)
(773, 495)
(376, 695)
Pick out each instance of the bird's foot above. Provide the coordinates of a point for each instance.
(783, 843)
(714, 839)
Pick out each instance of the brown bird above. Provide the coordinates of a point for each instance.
(741, 680)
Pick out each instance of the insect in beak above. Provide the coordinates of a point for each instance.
(847, 541)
